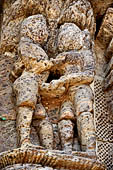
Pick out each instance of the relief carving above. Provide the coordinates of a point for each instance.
(58, 40)
(56, 99)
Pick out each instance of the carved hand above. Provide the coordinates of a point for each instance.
(67, 81)
(54, 88)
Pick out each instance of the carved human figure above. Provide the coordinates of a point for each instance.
(71, 48)
(33, 34)
(76, 68)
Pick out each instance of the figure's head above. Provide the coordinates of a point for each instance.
(35, 29)
(70, 37)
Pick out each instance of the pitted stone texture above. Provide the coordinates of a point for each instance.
(53, 9)
(31, 61)
(14, 9)
(86, 131)
(68, 62)
(17, 70)
(74, 62)
(14, 13)
(28, 50)
(83, 99)
(71, 79)
(24, 8)
(34, 28)
(46, 134)
(66, 133)
(56, 88)
(10, 36)
(79, 12)
(52, 109)
(74, 67)
(70, 57)
(83, 106)
(24, 119)
(26, 89)
(56, 141)
(24, 116)
(34, 7)
(89, 62)
(26, 86)
(40, 112)
(33, 57)
(83, 102)
(17, 8)
(70, 37)
(67, 111)
(83, 92)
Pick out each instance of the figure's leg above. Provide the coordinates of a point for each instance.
(84, 112)
(65, 126)
(24, 119)
(46, 133)
(26, 89)
(43, 127)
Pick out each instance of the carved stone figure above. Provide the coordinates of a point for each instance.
(33, 34)
(76, 68)
(59, 99)
(57, 33)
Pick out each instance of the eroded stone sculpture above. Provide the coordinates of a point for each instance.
(59, 40)
(33, 34)
(76, 68)
(53, 84)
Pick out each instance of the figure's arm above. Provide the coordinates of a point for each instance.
(39, 67)
(57, 88)
(19, 66)
(73, 79)
(71, 57)
(17, 70)
(86, 76)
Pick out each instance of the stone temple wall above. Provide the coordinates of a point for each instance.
(84, 45)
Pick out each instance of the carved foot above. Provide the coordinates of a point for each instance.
(90, 152)
(29, 145)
